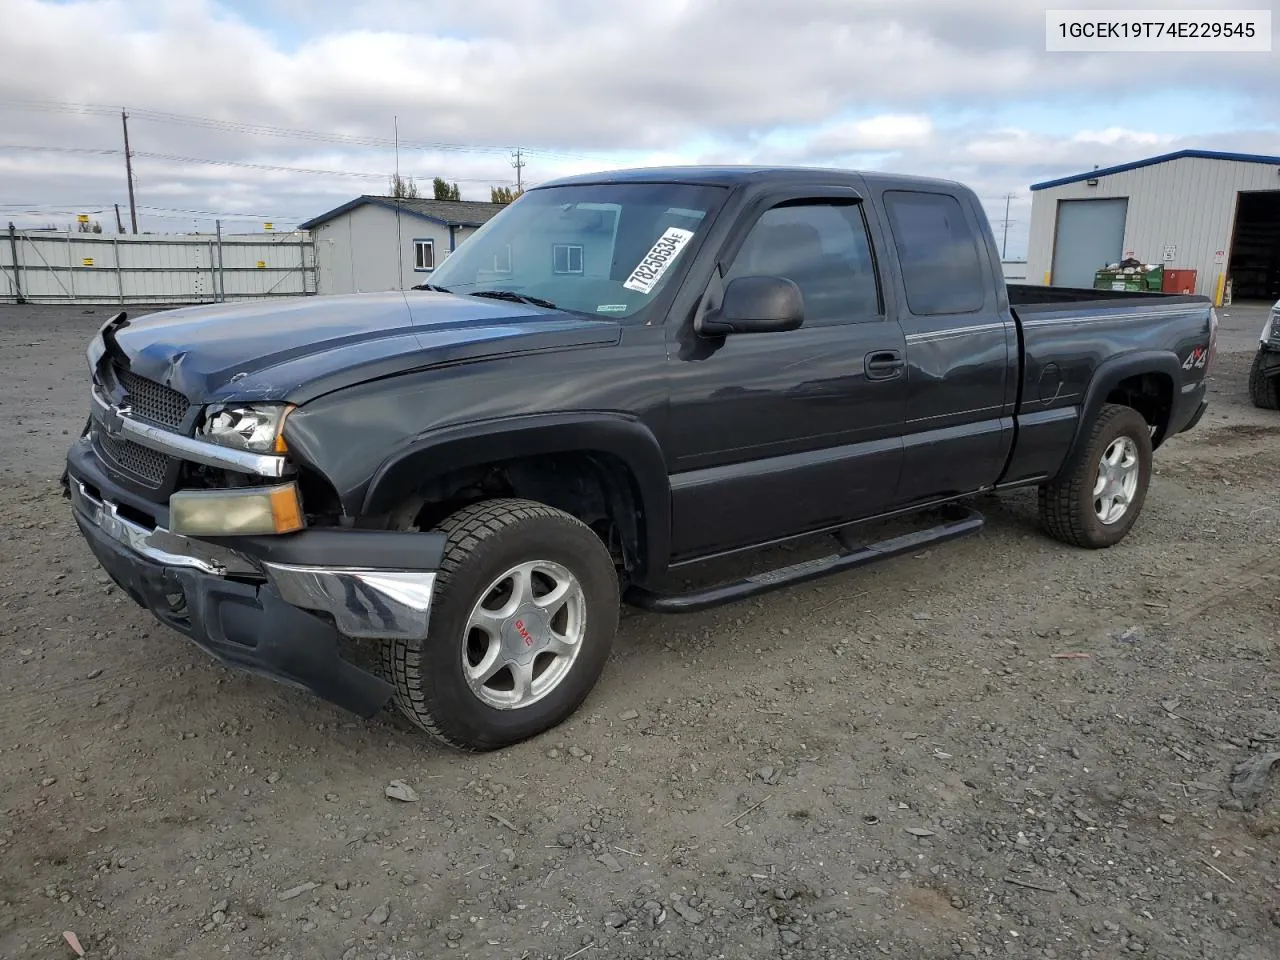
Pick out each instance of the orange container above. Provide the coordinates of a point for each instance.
(1179, 281)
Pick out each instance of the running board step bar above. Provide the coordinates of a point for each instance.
(964, 523)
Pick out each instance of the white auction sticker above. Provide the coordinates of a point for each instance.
(659, 258)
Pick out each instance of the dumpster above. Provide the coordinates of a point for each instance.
(1131, 276)
(1179, 281)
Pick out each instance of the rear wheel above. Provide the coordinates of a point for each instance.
(1097, 499)
(522, 621)
(1264, 387)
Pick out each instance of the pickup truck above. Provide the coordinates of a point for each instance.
(1264, 375)
(440, 497)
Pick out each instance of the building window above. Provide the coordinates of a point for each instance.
(566, 258)
(502, 260)
(424, 255)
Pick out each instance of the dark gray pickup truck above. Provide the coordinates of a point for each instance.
(618, 377)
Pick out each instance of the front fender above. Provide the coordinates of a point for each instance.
(475, 444)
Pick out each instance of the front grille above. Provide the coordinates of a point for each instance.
(153, 401)
(133, 458)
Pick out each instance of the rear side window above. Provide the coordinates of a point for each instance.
(938, 252)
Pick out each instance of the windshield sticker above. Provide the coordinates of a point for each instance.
(660, 257)
(612, 308)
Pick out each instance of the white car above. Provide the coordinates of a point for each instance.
(1264, 378)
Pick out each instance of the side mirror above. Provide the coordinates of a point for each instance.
(756, 305)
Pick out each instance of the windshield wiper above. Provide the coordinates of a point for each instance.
(514, 298)
(430, 286)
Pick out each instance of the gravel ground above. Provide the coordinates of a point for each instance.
(996, 747)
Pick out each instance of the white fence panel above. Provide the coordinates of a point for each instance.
(1015, 270)
(263, 268)
(42, 266)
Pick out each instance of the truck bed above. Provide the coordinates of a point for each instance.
(1032, 298)
(1070, 334)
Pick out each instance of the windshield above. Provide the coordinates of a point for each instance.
(600, 249)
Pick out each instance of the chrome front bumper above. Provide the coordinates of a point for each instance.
(362, 602)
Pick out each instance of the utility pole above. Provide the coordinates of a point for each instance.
(399, 239)
(17, 271)
(518, 163)
(119, 222)
(1004, 243)
(128, 169)
(221, 291)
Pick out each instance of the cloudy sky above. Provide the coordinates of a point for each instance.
(224, 93)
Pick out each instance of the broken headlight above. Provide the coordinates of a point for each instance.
(255, 427)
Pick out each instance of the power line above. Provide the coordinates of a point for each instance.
(7, 204)
(78, 206)
(271, 167)
(280, 168)
(102, 151)
(52, 209)
(231, 217)
(49, 212)
(269, 130)
(228, 216)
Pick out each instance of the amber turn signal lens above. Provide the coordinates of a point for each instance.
(286, 508)
(280, 446)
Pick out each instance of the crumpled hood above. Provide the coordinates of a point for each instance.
(302, 347)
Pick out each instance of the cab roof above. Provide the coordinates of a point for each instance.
(730, 175)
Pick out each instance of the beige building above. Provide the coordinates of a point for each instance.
(381, 243)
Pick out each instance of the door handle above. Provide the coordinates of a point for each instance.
(883, 364)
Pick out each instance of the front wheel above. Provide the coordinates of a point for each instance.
(1097, 499)
(522, 621)
(1264, 385)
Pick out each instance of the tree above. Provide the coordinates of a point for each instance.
(403, 187)
(444, 190)
(503, 194)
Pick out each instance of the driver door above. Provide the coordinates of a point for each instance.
(781, 433)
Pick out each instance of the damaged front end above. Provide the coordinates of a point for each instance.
(200, 513)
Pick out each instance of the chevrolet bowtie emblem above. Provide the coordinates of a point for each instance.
(113, 419)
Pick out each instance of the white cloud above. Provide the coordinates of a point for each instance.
(579, 84)
(1114, 135)
(1083, 149)
(885, 132)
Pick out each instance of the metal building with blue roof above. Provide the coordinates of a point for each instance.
(1211, 212)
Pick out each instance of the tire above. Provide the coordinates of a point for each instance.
(485, 541)
(1264, 388)
(1068, 506)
